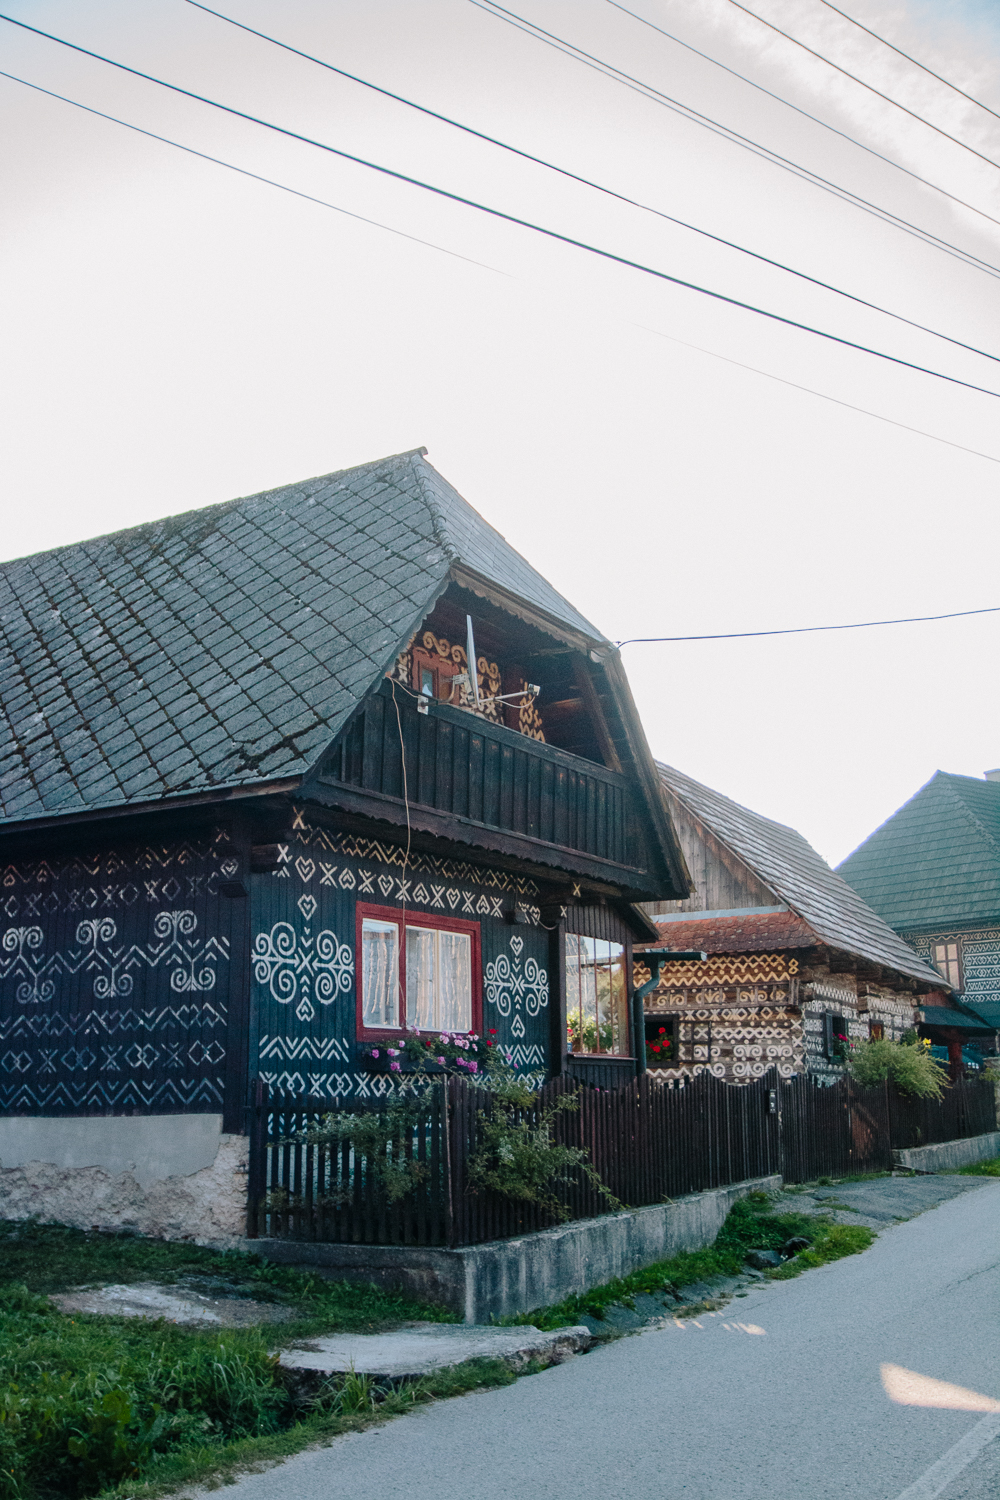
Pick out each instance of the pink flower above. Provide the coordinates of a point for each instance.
(472, 1067)
(440, 1060)
(394, 1067)
(392, 1051)
(374, 1052)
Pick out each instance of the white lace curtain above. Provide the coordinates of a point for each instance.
(438, 977)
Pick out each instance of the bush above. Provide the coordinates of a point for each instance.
(908, 1065)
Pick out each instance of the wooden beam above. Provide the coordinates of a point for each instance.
(592, 703)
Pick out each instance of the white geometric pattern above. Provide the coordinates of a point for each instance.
(299, 966)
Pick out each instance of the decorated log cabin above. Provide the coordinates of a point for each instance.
(285, 781)
(796, 964)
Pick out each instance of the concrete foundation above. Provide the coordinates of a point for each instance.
(515, 1276)
(169, 1176)
(949, 1155)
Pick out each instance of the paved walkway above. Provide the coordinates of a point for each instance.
(776, 1397)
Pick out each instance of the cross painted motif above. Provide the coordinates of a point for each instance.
(300, 967)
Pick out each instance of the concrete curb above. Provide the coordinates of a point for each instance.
(509, 1277)
(948, 1155)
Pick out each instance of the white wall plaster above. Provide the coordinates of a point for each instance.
(207, 1204)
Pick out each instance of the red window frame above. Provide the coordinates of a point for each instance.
(404, 919)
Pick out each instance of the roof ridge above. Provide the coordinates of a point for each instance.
(439, 520)
(215, 508)
(971, 816)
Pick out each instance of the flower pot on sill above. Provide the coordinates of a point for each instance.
(383, 1064)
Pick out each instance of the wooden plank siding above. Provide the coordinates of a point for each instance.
(486, 774)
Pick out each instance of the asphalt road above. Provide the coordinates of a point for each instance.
(777, 1397)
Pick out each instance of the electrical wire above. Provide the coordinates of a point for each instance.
(822, 395)
(587, 182)
(900, 53)
(815, 119)
(508, 218)
(374, 223)
(655, 96)
(255, 176)
(869, 86)
(742, 635)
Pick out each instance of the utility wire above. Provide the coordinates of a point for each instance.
(374, 223)
(587, 182)
(899, 53)
(687, 112)
(822, 395)
(815, 119)
(860, 81)
(508, 218)
(743, 635)
(256, 176)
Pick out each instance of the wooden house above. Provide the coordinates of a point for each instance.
(932, 872)
(796, 961)
(259, 815)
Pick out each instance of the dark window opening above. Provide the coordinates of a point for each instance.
(876, 1031)
(662, 1041)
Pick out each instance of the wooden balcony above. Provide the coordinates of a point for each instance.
(481, 783)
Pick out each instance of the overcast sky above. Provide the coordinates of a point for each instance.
(174, 334)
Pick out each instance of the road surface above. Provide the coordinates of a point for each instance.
(777, 1397)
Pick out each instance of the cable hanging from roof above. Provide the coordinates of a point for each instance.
(482, 265)
(587, 182)
(509, 218)
(655, 96)
(742, 635)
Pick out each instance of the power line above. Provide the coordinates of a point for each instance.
(374, 223)
(508, 218)
(860, 81)
(687, 112)
(815, 119)
(587, 182)
(256, 176)
(822, 395)
(742, 635)
(899, 53)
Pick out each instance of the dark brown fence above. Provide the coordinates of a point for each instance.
(967, 1108)
(646, 1141)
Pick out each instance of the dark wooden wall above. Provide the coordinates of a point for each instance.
(490, 776)
(123, 978)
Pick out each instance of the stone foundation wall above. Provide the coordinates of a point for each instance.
(175, 1177)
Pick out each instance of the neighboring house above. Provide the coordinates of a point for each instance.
(256, 818)
(932, 871)
(796, 960)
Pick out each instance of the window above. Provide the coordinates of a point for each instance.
(418, 970)
(834, 1036)
(596, 995)
(947, 958)
(876, 1031)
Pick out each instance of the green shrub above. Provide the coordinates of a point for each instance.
(908, 1065)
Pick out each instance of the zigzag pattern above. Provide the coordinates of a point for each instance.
(103, 863)
(132, 1094)
(110, 1022)
(294, 1048)
(726, 968)
(419, 863)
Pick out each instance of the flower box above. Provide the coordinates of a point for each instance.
(383, 1064)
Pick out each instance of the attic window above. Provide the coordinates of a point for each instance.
(948, 962)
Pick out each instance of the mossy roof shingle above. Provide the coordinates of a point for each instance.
(936, 862)
(790, 867)
(227, 646)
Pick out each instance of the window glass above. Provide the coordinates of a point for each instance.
(379, 973)
(948, 962)
(596, 995)
(438, 979)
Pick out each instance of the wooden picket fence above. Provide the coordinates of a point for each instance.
(646, 1142)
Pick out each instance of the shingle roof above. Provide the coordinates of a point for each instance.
(935, 862)
(227, 646)
(792, 869)
(757, 934)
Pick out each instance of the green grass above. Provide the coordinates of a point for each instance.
(87, 1402)
(752, 1224)
(982, 1169)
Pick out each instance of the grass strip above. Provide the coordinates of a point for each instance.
(989, 1168)
(751, 1224)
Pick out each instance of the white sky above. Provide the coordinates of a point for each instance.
(174, 335)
